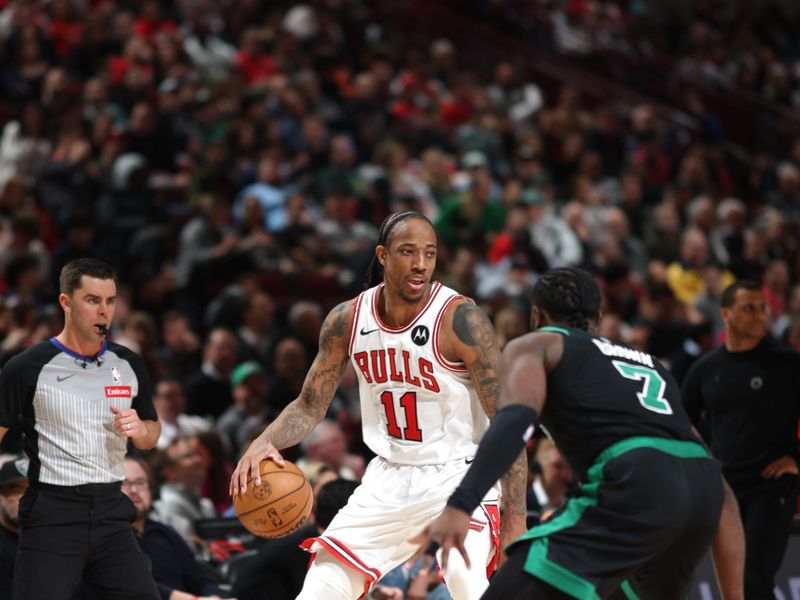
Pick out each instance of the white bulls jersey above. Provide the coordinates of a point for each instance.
(417, 408)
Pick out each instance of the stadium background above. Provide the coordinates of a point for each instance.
(210, 149)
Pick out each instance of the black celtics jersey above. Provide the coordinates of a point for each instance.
(601, 392)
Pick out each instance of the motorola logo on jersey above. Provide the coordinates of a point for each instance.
(420, 335)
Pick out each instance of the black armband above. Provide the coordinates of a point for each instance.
(510, 430)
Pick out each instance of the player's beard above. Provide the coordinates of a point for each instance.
(413, 299)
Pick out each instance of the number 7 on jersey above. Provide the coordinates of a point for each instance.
(408, 403)
(652, 395)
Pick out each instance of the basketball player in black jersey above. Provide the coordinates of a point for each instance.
(651, 500)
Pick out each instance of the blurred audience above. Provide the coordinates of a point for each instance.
(208, 390)
(180, 504)
(249, 412)
(552, 481)
(176, 570)
(215, 461)
(13, 483)
(170, 404)
(233, 160)
(327, 444)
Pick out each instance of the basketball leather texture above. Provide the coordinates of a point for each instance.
(279, 505)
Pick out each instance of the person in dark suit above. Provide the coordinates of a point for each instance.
(208, 390)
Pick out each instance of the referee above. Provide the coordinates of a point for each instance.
(80, 399)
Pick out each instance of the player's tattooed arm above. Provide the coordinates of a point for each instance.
(477, 345)
(478, 349)
(301, 416)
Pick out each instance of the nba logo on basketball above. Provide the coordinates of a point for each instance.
(116, 375)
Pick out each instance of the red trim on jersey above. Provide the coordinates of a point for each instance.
(477, 524)
(346, 556)
(356, 313)
(435, 287)
(492, 512)
(437, 324)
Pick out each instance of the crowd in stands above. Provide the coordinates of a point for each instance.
(233, 161)
(733, 45)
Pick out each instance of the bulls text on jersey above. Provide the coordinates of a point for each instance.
(380, 366)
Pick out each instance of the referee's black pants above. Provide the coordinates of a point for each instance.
(767, 510)
(68, 534)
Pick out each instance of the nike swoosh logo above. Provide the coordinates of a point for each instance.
(59, 379)
(469, 461)
(362, 332)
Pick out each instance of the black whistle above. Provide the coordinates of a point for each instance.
(103, 330)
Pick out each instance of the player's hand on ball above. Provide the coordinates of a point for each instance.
(248, 466)
(449, 530)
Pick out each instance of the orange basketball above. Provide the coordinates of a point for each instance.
(277, 507)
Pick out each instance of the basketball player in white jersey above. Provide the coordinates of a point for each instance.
(426, 359)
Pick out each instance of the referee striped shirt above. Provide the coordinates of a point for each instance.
(64, 400)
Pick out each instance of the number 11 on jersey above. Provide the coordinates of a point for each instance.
(408, 403)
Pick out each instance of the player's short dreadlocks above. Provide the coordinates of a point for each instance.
(375, 270)
(569, 293)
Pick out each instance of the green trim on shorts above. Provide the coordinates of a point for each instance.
(553, 329)
(556, 575)
(628, 591)
(537, 563)
(679, 448)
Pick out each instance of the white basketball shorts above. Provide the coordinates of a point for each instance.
(395, 503)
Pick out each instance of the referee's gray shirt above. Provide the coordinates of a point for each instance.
(63, 400)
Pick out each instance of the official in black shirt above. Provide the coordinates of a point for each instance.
(748, 391)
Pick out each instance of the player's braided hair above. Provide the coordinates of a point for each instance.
(569, 293)
(375, 270)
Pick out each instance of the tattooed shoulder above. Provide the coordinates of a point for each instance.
(337, 325)
(472, 326)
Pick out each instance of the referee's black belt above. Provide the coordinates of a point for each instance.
(93, 491)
